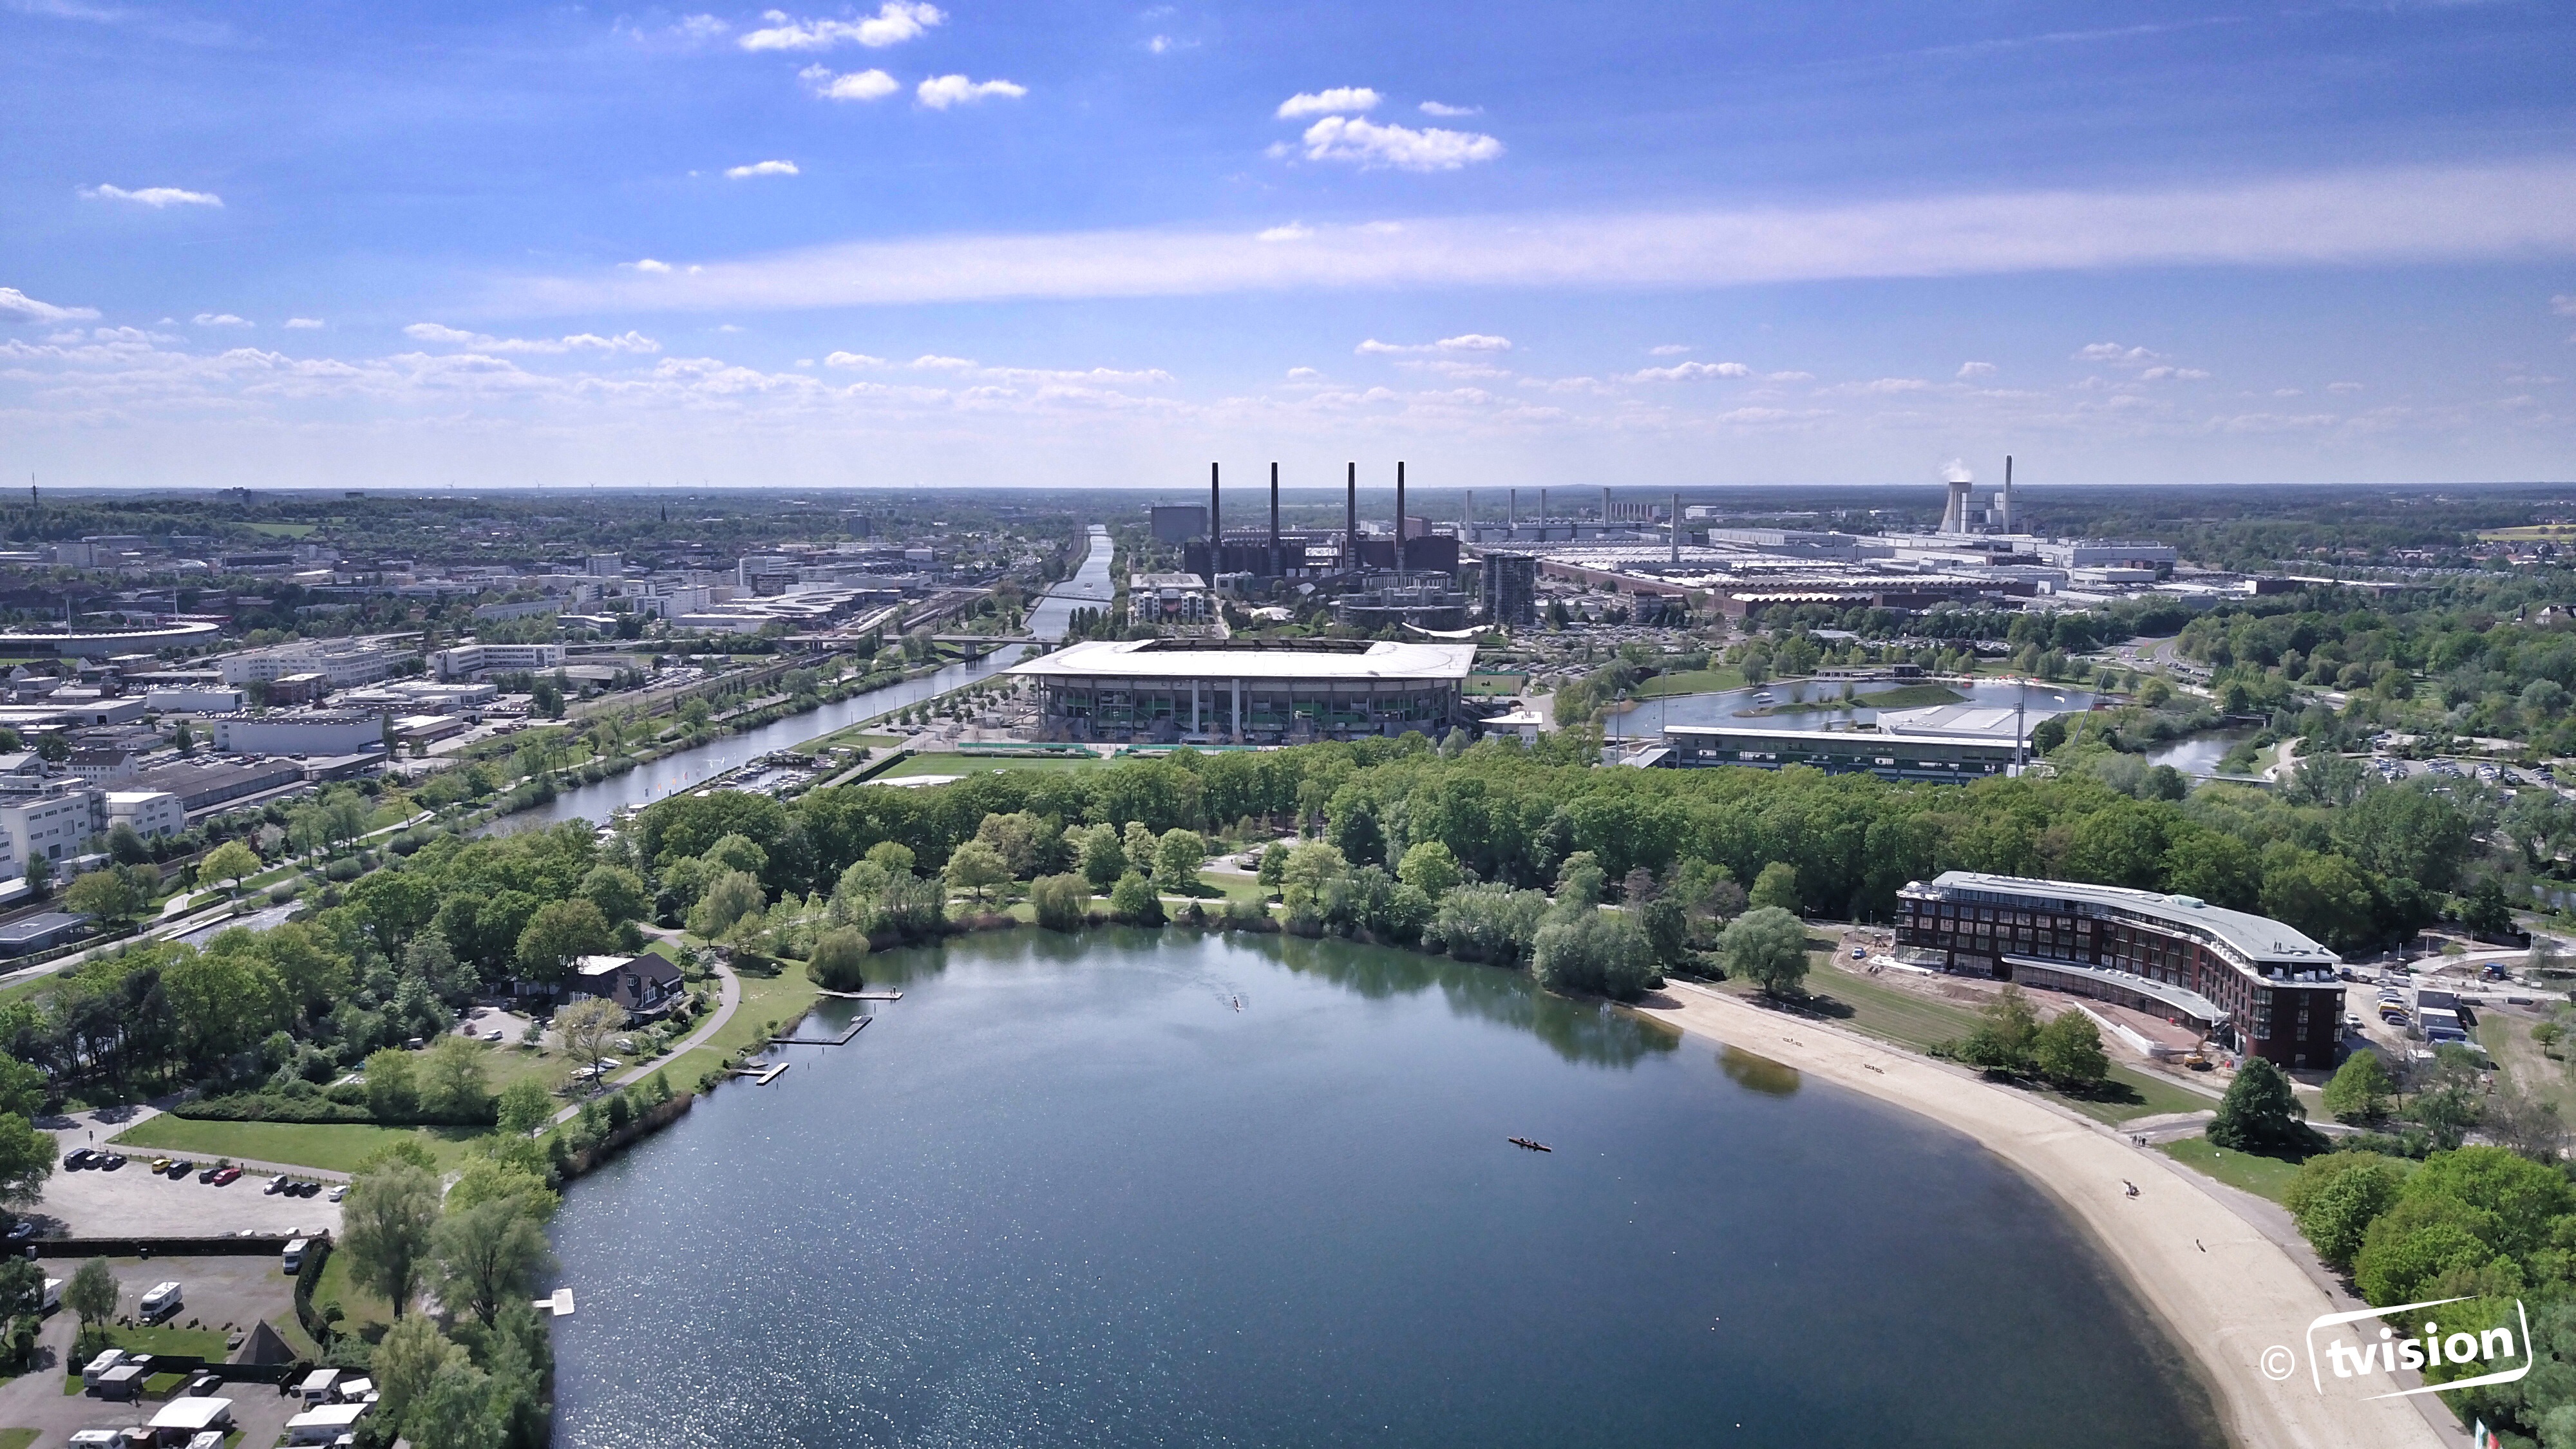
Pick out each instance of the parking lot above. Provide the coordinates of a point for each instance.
(131, 1202)
(224, 1294)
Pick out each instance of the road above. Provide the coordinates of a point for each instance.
(729, 997)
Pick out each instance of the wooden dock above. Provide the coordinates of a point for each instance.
(762, 1076)
(843, 1039)
(863, 995)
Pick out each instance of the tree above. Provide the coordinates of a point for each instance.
(1429, 867)
(1777, 887)
(2260, 1112)
(106, 895)
(231, 862)
(126, 845)
(2068, 1052)
(1580, 879)
(489, 1253)
(1594, 951)
(839, 960)
(2336, 1197)
(559, 935)
(385, 1229)
(524, 1106)
(1104, 859)
(23, 1087)
(92, 1292)
(618, 892)
(1310, 868)
(2006, 1037)
(1274, 865)
(393, 1087)
(1767, 946)
(2420, 1239)
(1177, 859)
(26, 1160)
(975, 868)
(406, 1360)
(587, 1027)
(453, 1084)
(1132, 902)
(2360, 1089)
(728, 899)
(1062, 902)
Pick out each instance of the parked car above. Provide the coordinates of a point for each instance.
(339, 1190)
(179, 1169)
(275, 1186)
(211, 1172)
(110, 1161)
(308, 1188)
(160, 1165)
(21, 1230)
(227, 1176)
(79, 1158)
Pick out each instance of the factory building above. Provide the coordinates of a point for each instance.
(1166, 690)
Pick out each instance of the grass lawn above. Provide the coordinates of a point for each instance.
(781, 999)
(1234, 887)
(1912, 696)
(506, 1064)
(361, 1308)
(2507, 1038)
(324, 1146)
(950, 764)
(16, 1438)
(1485, 682)
(1690, 681)
(2267, 1177)
(205, 1343)
(1872, 1009)
(2129, 1094)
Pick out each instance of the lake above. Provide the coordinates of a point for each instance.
(1137, 1188)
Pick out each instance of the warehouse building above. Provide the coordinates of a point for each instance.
(2252, 982)
(1168, 690)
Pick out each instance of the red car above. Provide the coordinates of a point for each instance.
(227, 1177)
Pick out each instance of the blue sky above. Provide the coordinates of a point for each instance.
(1516, 244)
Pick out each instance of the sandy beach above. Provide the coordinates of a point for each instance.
(2225, 1291)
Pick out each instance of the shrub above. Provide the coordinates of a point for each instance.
(839, 959)
(1132, 902)
(1062, 902)
(282, 892)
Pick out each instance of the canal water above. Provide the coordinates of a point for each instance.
(1727, 707)
(1090, 587)
(1148, 1189)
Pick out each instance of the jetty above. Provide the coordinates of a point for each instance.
(862, 995)
(857, 1026)
(762, 1076)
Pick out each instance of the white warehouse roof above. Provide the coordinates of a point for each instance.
(1178, 659)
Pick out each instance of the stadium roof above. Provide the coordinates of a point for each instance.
(1195, 659)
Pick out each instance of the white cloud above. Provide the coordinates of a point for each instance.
(896, 21)
(1293, 231)
(763, 168)
(858, 85)
(853, 359)
(2343, 387)
(2113, 352)
(1896, 384)
(1165, 45)
(17, 306)
(942, 91)
(2177, 374)
(649, 266)
(156, 197)
(1975, 369)
(1463, 342)
(1788, 377)
(1338, 100)
(1369, 145)
(2393, 216)
(220, 319)
(1303, 374)
(578, 342)
(2563, 306)
(937, 363)
(1690, 371)
(1669, 349)
(303, 324)
(1434, 108)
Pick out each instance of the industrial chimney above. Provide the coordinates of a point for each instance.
(1399, 522)
(2008, 508)
(1677, 530)
(1274, 521)
(1351, 524)
(1954, 515)
(1216, 535)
